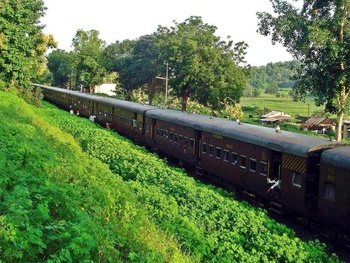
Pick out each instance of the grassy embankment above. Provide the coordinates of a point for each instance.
(73, 192)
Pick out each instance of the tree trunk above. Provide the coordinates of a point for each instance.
(338, 128)
(185, 100)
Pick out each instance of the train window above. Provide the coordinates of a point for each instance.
(243, 161)
(147, 128)
(263, 168)
(225, 155)
(218, 152)
(185, 142)
(204, 147)
(180, 139)
(211, 150)
(161, 133)
(329, 191)
(166, 134)
(234, 158)
(175, 137)
(170, 136)
(191, 143)
(296, 179)
(252, 165)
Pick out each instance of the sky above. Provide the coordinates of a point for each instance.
(130, 19)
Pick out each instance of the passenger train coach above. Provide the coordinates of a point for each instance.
(314, 173)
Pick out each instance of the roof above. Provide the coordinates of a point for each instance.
(122, 104)
(288, 142)
(339, 157)
(273, 116)
(318, 121)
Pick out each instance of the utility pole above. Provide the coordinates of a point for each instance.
(166, 83)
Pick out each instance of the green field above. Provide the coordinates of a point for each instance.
(285, 104)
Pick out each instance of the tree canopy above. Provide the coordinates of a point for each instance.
(202, 65)
(317, 34)
(60, 63)
(22, 43)
(88, 48)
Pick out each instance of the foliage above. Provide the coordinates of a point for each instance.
(272, 77)
(202, 65)
(22, 43)
(210, 225)
(88, 48)
(140, 68)
(318, 36)
(61, 64)
(60, 205)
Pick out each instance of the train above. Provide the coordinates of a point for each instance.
(313, 173)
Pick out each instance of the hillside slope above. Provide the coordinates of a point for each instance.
(59, 204)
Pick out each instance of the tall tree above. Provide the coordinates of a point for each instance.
(202, 65)
(317, 34)
(22, 43)
(141, 66)
(61, 65)
(89, 49)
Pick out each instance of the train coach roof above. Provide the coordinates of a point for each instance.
(339, 157)
(132, 106)
(288, 142)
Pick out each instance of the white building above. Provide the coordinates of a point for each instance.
(107, 88)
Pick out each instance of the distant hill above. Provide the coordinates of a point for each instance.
(272, 77)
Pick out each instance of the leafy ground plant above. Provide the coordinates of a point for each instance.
(208, 223)
(59, 204)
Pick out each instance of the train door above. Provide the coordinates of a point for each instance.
(276, 157)
(153, 126)
(276, 165)
(197, 142)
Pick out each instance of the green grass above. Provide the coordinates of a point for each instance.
(285, 104)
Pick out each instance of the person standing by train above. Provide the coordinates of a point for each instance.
(275, 187)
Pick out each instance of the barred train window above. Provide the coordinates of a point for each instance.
(204, 147)
(191, 143)
(252, 165)
(243, 163)
(234, 158)
(211, 150)
(296, 179)
(263, 168)
(225, 155)
(329, 191)
(218, 152)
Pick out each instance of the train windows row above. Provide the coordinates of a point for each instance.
(127, 121)
(236, 159)
(176, 138)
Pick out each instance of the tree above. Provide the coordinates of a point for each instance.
(22, 43)
(88, 48)
(201, 64)
(318, 35)
(60, 64)
(140, 67)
